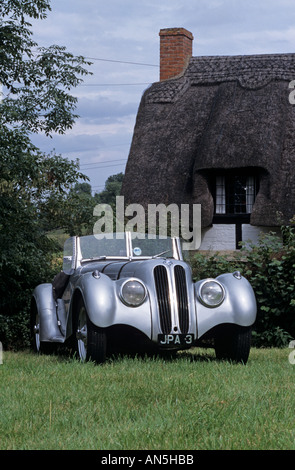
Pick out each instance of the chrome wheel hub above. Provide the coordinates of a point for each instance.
(81, 334)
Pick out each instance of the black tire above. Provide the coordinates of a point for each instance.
(233, 343)
(90, 340)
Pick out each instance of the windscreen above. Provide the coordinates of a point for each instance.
(151, 246)
(114, 245)
(93, 247)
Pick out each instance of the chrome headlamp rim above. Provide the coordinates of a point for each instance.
(199, 293)
(123, 300)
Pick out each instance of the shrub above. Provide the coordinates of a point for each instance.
(270, 268)
(20, 274)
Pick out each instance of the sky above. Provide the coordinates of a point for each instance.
(121, 38)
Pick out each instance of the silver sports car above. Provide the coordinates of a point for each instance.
(134, 292)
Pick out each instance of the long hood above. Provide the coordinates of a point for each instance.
(141, 269)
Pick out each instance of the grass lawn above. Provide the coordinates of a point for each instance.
(187, 403)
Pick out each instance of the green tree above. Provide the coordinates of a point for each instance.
(77, 210)
(82, 188)
(108, 196)
(36, 98)
(112, 189)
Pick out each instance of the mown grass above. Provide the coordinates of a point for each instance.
(190, 402)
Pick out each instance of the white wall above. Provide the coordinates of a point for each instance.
(219, 237)
(223, 236)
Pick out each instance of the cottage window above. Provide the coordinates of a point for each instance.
(234, 193)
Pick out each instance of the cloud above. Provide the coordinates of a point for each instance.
(101, 110)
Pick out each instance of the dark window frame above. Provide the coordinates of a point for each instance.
(237, 207)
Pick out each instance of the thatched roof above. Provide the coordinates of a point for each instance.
(224, 112)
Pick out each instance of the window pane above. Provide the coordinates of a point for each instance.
(220, 195)
(250, 193)
(239, 195)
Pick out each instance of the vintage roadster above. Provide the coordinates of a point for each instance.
(135, 292)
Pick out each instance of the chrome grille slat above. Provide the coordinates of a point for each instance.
(162, 288)
(181, 293)
(164, 298)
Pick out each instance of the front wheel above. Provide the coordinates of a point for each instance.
(90, 340)
(233, 343)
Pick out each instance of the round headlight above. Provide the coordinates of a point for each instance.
(211, 293)
(133, 293)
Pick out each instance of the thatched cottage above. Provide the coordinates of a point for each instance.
(217, 131)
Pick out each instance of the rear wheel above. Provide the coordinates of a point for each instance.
(233, 343)
(90, 340)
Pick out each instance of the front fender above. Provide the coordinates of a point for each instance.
(99, 298)
(239, 306)
(104, 307)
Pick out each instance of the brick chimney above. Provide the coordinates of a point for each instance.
(176, 48)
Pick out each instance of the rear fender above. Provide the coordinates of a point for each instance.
(46, 308)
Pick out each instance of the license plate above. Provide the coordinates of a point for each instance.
(176, 339)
